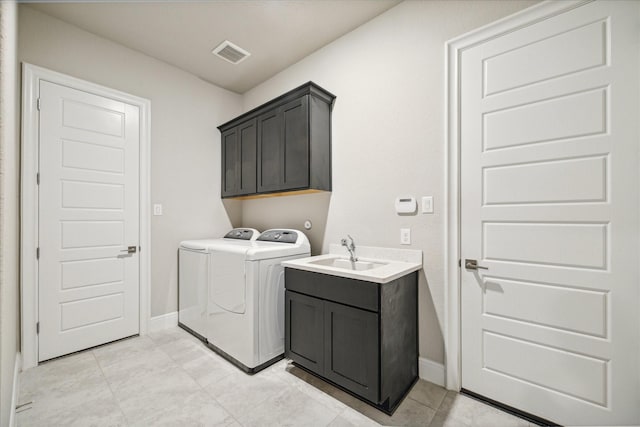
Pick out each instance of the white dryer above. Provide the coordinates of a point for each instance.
(246, 298)
(194, 275)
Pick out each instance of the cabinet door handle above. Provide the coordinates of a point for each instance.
(130, 250)
(472, 264)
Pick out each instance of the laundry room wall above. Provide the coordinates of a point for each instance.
(185, 143)
(388, 138)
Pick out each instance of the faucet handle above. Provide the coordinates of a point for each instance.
(343, 242)
(353, 243)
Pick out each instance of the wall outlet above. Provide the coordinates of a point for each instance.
(427, 204)
(157, 209)
(405, 236)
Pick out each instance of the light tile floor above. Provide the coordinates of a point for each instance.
(171, 379)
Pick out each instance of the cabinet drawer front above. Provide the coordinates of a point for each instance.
(304, 326)
(351, 357)
(352, 292)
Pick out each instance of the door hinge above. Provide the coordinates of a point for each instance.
(38, 328)
(37, 253)
(38, 178)
(459, 263)
(38, 104)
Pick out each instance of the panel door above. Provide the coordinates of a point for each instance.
(239, 160)
(270, 159)
(247, 137)
(304, 330)
(88, 216)
(351, 352)
(549, 175)
(295, 144)
(230, 163)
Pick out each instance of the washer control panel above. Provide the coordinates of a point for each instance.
(240, 234)
(281, 236)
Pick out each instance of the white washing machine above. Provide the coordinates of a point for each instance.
(246, 298)
(194, 275)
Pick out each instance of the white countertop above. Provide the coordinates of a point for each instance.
(397, 263)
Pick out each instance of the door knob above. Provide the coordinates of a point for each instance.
(130, 250)
(472, 264)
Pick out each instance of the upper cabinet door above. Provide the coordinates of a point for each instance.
(269, 152)
(230, 162)
(295, 144)
(239, 159)
(247, 134)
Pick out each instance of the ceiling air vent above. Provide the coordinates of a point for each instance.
(230, 52)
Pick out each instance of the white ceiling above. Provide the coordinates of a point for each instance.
(277, 33)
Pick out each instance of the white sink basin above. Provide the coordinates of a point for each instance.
(379, 265)
(348, 265)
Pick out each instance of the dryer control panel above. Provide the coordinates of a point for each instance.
(240, 233)
(280, 236)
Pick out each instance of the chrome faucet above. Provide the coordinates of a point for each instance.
(351, 247)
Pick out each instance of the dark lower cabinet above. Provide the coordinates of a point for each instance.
(359, 335)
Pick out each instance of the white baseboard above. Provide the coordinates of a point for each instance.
(16, 389)
(164, 321)
(431, 371)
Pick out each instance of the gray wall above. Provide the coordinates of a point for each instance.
(388, 138)
(9, 222)
(185, 144)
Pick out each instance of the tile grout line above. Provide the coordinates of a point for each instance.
(110, 389)
(201, 387)
(430, 407)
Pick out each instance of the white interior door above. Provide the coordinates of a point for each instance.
(549, 204)
(88, 286)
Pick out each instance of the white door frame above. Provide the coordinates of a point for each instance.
(31, 77)
(453, 52)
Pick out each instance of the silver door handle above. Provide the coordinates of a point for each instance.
(472, 264)
(130, 250)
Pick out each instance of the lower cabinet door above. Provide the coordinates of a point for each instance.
(304, 326)
(351, 349)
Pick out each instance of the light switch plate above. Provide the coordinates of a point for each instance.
(405, 236)
(157, 209)
(427, 204)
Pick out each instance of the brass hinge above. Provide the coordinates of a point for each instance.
(38, 328)
(37, 253)
(38, 178)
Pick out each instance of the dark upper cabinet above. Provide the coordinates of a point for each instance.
(239, 159)
(292, 145)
